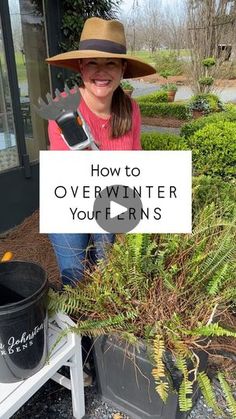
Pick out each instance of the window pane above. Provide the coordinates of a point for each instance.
(8, 148)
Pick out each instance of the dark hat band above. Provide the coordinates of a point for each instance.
(102, 45)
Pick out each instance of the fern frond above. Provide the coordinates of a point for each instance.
(162, 390)
(186, 387)
(213, 329)
(207, 392)
(71, 301)
(135, 248)
(102, 327)
(222, 253)
(181, 364)
(158, 352)
(218, 280)
(231, 402)
(158, 372)
(185, 393)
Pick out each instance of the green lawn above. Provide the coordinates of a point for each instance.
(20, 66)
(149, 58)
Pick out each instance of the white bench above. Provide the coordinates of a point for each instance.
(66, 352)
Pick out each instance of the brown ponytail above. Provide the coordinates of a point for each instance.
(121, 113)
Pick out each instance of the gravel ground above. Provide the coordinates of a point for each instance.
(151, 128)
(54, 402)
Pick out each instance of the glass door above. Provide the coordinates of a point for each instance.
(24, 77)
(30, 50)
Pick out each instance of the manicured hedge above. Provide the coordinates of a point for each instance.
(156, 97)
(190, 128)
(172, 109)
(162, 141)
(214, 150)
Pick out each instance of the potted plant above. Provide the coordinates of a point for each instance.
(127, 87)
(204, 104)
(156, 303)
(170, 88)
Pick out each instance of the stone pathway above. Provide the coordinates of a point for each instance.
(151, 128)
(227, 94)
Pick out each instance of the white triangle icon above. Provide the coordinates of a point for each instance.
(116, 209)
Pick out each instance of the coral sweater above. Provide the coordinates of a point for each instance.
(99, 128)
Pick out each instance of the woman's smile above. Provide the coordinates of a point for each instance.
(101, 83)
(101, 76)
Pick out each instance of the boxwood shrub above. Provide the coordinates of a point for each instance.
(190, 128)
(162, 141)
(172, 109)
(156, 97)
(214, 150)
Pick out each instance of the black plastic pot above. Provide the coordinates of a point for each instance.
(23, 320)
(125, 381)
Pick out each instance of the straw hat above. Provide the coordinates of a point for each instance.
(102, 39)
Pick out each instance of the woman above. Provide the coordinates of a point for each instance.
(113, 118)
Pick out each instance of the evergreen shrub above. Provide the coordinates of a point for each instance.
(162, 141)
(214, 150)
(156, 97)
(191, 127)
(172, 110)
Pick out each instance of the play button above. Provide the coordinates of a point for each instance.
(116, 209)
(120, 209)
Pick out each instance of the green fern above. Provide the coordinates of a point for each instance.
(139, 249)
(207, 392)
(220, 257)
(213, 329)
(102, 327)
(186, 386)
(218, 279)
(214, 238)
(231, 402)
(185, 393)
(222, 252)
(70, 301)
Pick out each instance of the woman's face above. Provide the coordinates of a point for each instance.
(101, 76)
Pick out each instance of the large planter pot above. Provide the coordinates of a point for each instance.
(197, 114)
(125, 381)
(171, 95)
(128, 92)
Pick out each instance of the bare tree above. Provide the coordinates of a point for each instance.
(132, 25)
(152, 24)
(211, 29)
